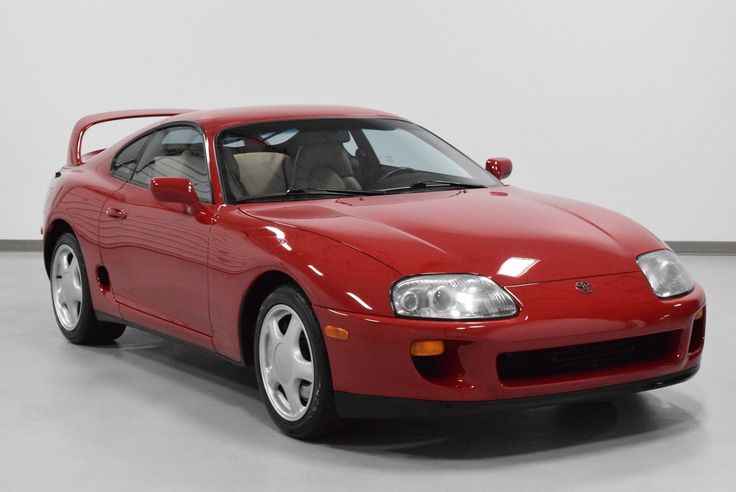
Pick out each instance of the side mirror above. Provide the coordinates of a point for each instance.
(176, 190)
(500, 167)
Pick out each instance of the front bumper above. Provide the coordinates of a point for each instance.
(350, 405)
(375, 361)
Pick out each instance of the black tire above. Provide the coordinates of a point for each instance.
(320, 417)
(87, 330)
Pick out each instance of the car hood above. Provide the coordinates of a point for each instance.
(511, 235)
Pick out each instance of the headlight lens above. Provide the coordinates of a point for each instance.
(451, 297)
(665, 273)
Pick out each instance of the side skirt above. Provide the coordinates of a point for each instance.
(108, 318)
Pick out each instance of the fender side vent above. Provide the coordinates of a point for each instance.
(103, 278)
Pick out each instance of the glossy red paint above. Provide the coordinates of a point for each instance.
(500, 167)
(476, 230)
(189, 275)
(176, 190)
(156, 258)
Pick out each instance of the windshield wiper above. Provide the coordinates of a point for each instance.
(305, 192)
(435, 183)
(342, 192)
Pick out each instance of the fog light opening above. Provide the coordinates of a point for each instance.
(445, 368)
(697, 338)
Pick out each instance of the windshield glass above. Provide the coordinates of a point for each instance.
(349, 156)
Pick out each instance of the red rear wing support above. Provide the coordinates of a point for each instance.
(75, 142)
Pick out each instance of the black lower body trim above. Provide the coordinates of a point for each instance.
(350, 405)
(109, 318)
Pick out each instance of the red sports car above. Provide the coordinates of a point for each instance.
(364, 266)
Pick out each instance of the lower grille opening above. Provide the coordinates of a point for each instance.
(531, 364)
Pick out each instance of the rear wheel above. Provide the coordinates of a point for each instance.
(292, 366)
(71, 298)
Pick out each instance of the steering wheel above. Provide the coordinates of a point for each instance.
(395, 172)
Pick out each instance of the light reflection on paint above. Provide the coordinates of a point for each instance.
(314, 269)
(280, 237)
(359, 301)
(516, 267)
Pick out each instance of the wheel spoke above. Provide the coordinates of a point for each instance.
(73, 310)
(74, 292)
(291, 389)
(269, 379)
(59, 292)
(63, 265)
(293, 331)
(273, 330)
(303, 369)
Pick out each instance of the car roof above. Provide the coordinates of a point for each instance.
(215, 119)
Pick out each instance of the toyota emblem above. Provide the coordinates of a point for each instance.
(584, 287)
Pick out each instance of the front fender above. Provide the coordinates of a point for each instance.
(333, 275)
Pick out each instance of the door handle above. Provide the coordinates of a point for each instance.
(116, 213)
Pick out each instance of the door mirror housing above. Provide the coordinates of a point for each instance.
(176, 190)
(500, 167)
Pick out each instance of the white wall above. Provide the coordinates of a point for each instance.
(627, 104)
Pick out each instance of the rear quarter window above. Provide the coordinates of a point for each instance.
(123, 166)
(176, 152)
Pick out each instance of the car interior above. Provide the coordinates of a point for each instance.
(320, 160)
(359, 156)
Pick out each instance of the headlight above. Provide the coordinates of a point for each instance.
(665, 273)
(451, 297)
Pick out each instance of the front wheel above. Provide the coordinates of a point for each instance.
(71, 298)
(292, 367)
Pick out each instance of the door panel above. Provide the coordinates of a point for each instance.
(156, 255)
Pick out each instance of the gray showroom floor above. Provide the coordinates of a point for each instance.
(152, 414)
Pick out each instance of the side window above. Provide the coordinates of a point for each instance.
(176, 152)
(124, 164)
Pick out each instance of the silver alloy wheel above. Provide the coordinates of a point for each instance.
(66, 287)
(285, 361)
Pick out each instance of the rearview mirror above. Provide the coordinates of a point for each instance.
(176, 190)
(500, 167)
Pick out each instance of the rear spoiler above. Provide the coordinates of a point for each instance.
(75, 142)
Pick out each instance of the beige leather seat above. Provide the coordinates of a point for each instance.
(325, 166)
(262, 173)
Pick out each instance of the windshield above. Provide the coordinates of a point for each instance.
(350, 156)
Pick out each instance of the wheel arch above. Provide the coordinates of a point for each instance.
(57, 228)
(250, 305)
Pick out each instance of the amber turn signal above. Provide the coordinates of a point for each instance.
(700, 313)
(337, 333)
(424, 348)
